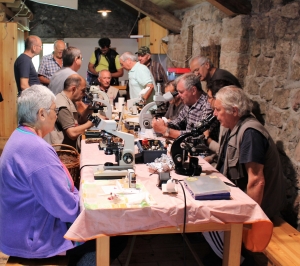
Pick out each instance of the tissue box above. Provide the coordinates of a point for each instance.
(150, 156)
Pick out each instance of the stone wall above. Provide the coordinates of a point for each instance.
(56, 22)
(263, 51)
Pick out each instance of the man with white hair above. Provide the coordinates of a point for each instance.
(248, 156)
(104, 79)
(204, 68)
(51, 62)
(140, 78)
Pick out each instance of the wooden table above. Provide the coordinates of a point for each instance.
(167, 216)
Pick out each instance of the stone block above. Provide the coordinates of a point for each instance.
(252, 66)
(274, 117)
(280, 27)
(281, 98)
(280, 66)
(290, 10)
(255, 47)
(296, 155)
(273, 131)
(235, 27)
(289, 132)
(295, 68)
(263, 66)
(266, 90)
(252, 86)
(296, 101)
(260, 27)
(293, 26)
(235, 45)
(268, 47)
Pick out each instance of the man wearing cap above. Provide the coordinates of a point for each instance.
(157, 70)
(141, 81)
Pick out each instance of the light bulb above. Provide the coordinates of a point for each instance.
(104, 14)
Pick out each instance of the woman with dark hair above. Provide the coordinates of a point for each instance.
(212, 135)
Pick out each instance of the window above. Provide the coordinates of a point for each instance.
(47, 49)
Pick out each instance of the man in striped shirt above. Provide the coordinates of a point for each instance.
(157, 70)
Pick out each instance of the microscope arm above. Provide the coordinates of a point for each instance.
(145, 118)
(108, 114)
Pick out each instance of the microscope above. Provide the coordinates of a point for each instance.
(149, 112)
(188, 144)
(93, 95)
(122, 148)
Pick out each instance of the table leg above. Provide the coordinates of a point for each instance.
(233, 245)
(102, 251)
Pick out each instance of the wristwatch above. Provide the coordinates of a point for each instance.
(167, 133)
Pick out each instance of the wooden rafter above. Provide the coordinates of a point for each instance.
(157, 14)
(232, 7)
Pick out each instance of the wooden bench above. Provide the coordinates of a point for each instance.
(284, 247)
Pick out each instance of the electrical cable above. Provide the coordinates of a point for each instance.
(139, 15)
(88, 165)
(185, 211)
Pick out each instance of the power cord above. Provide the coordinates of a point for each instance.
(88, 165)
(177, 181)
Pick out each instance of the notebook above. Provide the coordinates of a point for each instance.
(207, 188)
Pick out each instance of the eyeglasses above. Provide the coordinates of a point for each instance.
(195, 71)
(80, 57)
(54, 109)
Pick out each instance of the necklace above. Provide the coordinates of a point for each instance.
(29, 128)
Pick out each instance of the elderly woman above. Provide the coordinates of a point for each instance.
(38, 198)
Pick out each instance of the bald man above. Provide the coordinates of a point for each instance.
(51, 63)
(25, 73)
(70, 121)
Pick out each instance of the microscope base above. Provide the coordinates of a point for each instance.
(189, 171)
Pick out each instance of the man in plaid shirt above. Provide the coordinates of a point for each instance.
(51, 63)
(196, 108)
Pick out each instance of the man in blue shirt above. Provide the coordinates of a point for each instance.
(25, 73)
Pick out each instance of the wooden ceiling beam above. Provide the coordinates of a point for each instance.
(157, 14)
(233, 7)
(7, 11)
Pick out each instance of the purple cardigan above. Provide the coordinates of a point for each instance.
(36, 202)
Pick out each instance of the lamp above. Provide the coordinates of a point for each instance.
(104, 11)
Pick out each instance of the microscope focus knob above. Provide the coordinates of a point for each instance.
(128, 158)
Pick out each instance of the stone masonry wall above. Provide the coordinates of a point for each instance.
(263, 51)
(56, 22)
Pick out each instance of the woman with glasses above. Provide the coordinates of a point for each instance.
(38, 197)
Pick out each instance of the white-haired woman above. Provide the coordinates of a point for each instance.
(38, 197)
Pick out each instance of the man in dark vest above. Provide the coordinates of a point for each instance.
(104, 58)
(248, 157)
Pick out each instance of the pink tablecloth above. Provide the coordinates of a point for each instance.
(169, 210)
